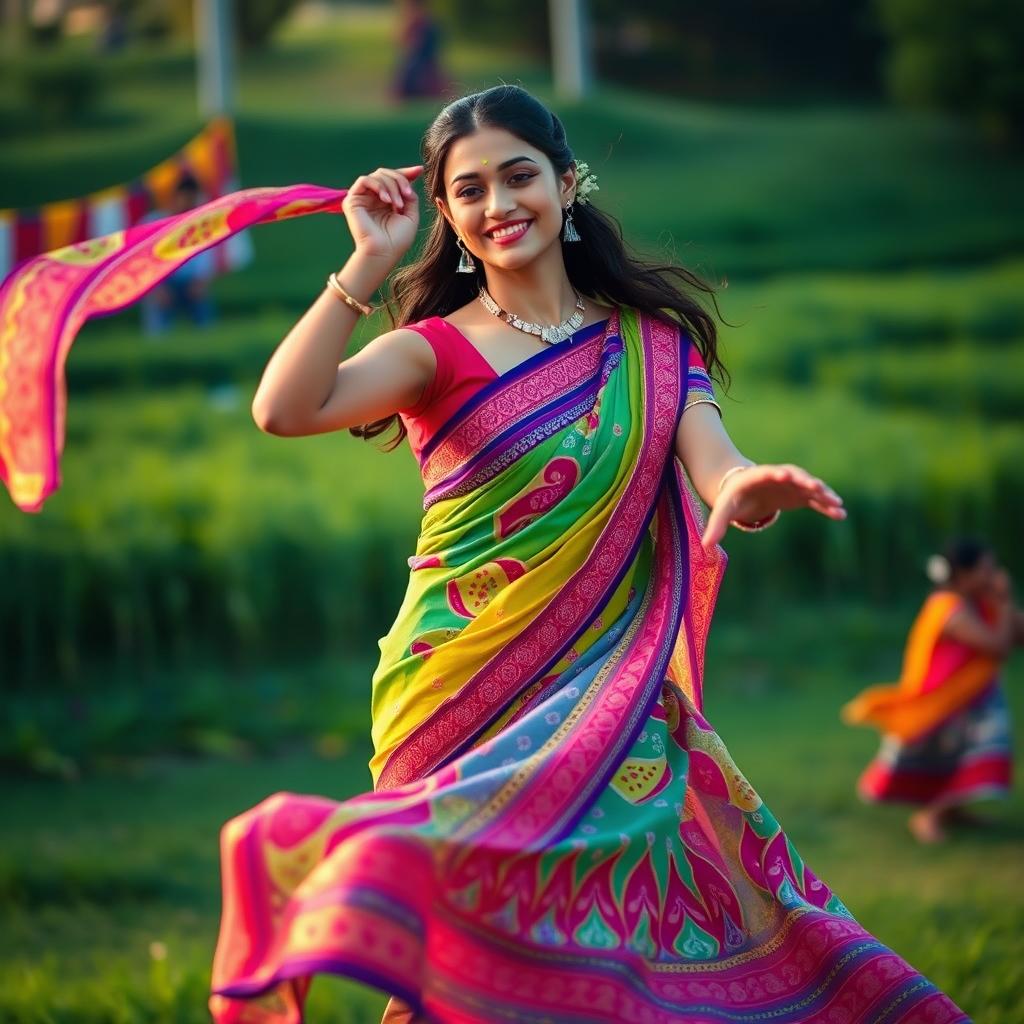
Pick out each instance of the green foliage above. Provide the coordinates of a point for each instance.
(740, 49)
(58, 87)
(256, 21)
(523, 26)
(730, 49)
(959, 55)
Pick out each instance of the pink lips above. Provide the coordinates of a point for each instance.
(521, 230)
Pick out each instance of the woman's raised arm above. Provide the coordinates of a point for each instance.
(308, 387)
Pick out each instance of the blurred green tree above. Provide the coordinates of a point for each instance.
(256, 21)
(963, 56)
(742, 49)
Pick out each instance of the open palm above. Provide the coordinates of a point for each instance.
(757, 492)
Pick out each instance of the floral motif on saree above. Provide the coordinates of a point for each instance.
(556, 832)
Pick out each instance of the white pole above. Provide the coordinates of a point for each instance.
(570, 47)
(214, 48)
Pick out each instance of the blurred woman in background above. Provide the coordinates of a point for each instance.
(945, 724)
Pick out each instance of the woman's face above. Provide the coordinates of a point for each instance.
(503, 197)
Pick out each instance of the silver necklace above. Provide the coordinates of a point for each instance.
(549, 335)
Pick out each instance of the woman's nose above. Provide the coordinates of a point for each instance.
(500, 203)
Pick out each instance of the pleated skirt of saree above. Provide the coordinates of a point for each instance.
(556, 833)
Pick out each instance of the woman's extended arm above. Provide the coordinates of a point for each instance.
(306, 388)
(708, 453)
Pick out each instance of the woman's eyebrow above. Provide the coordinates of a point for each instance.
(500, 167)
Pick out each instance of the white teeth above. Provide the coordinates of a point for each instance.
(516, 229)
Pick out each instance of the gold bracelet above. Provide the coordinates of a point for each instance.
(704, 401)
(728, 473)
(761, 524)
(335, 285)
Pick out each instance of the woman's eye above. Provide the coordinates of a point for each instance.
(519, 178)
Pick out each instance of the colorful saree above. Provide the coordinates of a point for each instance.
(556, 832)
(945, 724)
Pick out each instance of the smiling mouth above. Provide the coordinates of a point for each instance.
(512, 233)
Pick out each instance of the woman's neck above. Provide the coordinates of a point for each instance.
(538, 293)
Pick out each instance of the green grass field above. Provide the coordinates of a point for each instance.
(189, 625)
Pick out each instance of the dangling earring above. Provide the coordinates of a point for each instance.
(466, 264)
(570, 234)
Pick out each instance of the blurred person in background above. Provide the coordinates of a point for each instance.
(946, 725)
(419, 42)
(187, 290)
(556, 832)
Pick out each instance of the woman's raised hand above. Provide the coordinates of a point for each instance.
(383, 212)
(758, 491)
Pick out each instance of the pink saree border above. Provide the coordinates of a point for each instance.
(447, 729)
(868, 983)
(388, 928)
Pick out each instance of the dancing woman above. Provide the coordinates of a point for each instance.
(555, 833)
(946, 723)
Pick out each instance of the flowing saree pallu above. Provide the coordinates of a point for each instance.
(557, 834)
(937, 682)
(45, 301)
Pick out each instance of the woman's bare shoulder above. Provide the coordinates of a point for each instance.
(405, 343)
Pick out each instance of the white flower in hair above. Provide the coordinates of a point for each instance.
(586, 182)
(938, 569)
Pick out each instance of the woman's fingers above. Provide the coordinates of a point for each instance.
(392, 192)
(829, 510)
(392, 187)
(717, 524)
(398, 186)
(411, 173)
(384, 188)
(367, 185)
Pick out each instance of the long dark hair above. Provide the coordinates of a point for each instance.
(599, 266)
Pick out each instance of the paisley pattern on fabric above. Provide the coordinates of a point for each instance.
(548, 488)
(556, 832)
